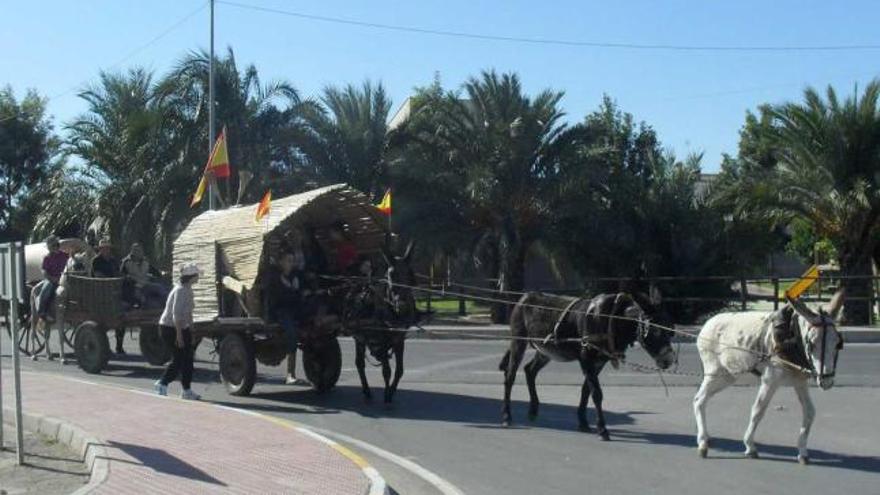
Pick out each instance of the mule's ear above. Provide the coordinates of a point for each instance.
(836, 303)
(409, 251)
(802, 309)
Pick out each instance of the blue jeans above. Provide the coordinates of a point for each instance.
(287, 320)
(47, 293)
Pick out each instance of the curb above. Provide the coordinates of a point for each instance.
(90, 449)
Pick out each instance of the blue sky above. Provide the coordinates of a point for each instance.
(695, 100)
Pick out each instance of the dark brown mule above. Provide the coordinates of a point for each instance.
(385, 309)
(568, 329)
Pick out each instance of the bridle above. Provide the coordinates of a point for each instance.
(807, 347)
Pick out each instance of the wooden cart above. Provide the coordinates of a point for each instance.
(234, 253)
(94, 307)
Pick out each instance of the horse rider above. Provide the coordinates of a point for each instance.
(105, 266)
(287, 287)
(53, 266)
(139, 275)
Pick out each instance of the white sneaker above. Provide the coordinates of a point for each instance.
(160, 389)
(188, 394)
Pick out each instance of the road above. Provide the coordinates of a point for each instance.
(446, 419)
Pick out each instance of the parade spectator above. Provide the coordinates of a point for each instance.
(53, 267)
(175, 327)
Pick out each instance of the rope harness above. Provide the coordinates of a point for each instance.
(763, 357)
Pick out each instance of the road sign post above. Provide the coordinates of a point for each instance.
(12, 263)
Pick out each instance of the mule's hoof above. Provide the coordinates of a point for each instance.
(506, 423)
(62, 361)
(751, 454)
(585, 428)
(604, 435)
(803, 459)
(35, 358)
(703, 451)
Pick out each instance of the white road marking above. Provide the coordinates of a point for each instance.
(445, 487)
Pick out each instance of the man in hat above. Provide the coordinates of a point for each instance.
(105, 266)
(53, 267)
(140, 276)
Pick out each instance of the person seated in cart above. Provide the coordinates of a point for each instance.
(140, 289)
(345, 251)
(53, 267)
(105, 266)
(286, 304)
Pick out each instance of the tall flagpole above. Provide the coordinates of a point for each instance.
(211, 130)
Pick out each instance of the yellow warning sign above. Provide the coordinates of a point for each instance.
(802, 284)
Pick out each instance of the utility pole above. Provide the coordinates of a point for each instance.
(211, 133)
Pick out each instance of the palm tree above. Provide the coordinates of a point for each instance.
(826, 161)
(122, 145)
(349, 136)
(479, 170)
(264, 122)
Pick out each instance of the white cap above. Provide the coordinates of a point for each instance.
(188, 269)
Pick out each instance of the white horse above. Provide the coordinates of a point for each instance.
(732, 344)
(78, 264)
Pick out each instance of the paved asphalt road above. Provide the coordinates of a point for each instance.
(447, 414)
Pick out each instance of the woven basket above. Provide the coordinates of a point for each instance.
(99, 298)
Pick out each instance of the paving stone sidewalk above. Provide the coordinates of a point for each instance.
(171, 446)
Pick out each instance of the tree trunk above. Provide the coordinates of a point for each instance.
(857, 308)
(511, 278)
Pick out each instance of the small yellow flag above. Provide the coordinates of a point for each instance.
(264, 206)
(802, 284)
(385, 205)
(200, 191)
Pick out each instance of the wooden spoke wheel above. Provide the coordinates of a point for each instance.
(323, 364)
(31, 339)
(92, 347)
(153, 348)
(238, 365)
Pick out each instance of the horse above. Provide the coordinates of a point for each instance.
(78, 264)
(733, 344)
(381, 312)
(590, 331)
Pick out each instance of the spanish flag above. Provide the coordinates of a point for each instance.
(217, 166)
(264, 206)
(385, 205)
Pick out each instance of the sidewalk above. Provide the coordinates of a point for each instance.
(170, 446)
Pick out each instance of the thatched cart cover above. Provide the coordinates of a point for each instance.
(231, 243)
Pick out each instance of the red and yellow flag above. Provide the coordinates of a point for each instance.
(385, 205)
(264, 206)
(217, 166)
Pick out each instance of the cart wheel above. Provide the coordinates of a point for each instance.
(30, 340)
(152, 346)
(323, 365)
(69, 335)
(238, 366)
(92, 347)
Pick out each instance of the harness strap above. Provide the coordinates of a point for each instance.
(555, 334)
(609, 334)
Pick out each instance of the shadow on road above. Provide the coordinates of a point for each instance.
(482, 412)
(477, 412)
(729, 449)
